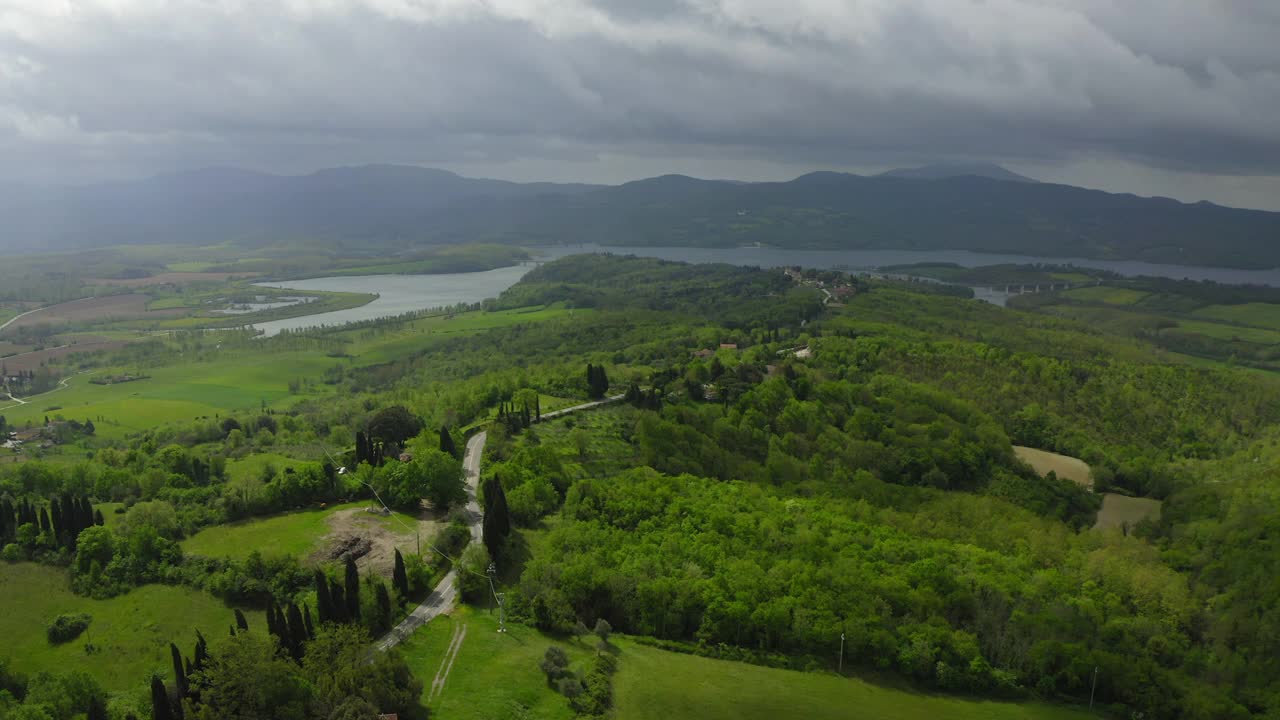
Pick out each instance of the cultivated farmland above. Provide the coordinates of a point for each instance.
(90, 310)
(171, 278)
(1123, 511)
(1043, 461)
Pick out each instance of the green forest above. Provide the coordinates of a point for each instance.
(769, 478)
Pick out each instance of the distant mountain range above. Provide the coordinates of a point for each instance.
(983, 208)
(942, 172)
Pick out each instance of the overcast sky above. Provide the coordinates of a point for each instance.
(1169, 97)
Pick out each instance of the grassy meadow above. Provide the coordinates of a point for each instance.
(132, 631)
(654, 684)
(295, 533)
(497, 676)
(1106, 294)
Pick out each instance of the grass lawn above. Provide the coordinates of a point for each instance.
(1105, 294)
(294, 533)
(133, 630)
(1263, 315)
(496, 676)
(654, 684)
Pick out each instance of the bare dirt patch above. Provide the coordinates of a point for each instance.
(35, 359)
(172, 278)
(1120, 511)
(1066, 467)
(111, 307)
(371, 539)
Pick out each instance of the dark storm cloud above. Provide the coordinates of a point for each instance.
(138, 85)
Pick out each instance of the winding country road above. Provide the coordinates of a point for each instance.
(16, 318)
(444, 597)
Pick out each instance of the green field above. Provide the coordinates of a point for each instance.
(295, 533)
(496, 676)
(1107, 295)
(133, 631)
(384, 346)
(1219, 331)
(180, 392)
(1263, 315)
(655, 684)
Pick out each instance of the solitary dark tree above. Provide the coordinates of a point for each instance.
(394, 424)
(352, 590)
(160, 709)
(400, 578)
(241, 621)
(446, 441)
(497, 522)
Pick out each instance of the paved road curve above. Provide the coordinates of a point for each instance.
(445, 595)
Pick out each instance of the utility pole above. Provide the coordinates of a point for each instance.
(841, 671)
(491, 571)
(1093, 687)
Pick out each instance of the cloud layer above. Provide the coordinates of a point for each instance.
(99, 87)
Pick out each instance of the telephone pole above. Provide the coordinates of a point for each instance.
(841, 670)
(1093, 687)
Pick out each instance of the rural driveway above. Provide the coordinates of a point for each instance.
(445, 595)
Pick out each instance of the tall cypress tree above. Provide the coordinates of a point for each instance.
(241, 621)
(324, 602)
(446, 442)
(400, 577)
(496, 524)
(297, 632)
(179, 673)
(352, 590)
(202, 652)
(273, 627)
(160, 709)
(44, 521)
(306, 621)
(338, 603)
(384, 606)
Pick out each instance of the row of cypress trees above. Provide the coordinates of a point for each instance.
(64, 518)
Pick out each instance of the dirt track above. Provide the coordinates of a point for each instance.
(111, 307)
